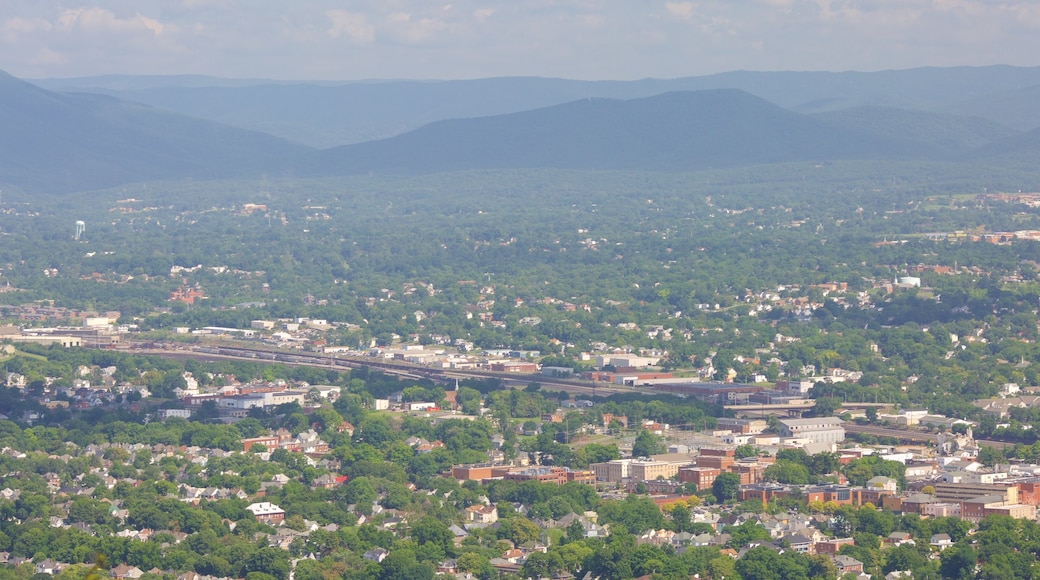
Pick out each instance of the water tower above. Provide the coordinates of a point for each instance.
(81, 226)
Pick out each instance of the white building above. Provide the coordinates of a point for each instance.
(816, 429)
(266, 512)
(257, 401)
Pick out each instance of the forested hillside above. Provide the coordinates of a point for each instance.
(71, 142)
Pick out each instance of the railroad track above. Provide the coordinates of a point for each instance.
(399, 369)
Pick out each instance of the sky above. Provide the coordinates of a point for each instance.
(455, 39)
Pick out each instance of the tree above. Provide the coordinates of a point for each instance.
(636, 513)
(904, 557)
(722, 567)
(990, 456)
(823, 463)
(271, 561)
(469, 399)
(762, 563)
(785, 471)
(599, 453)
(542, 565)
(360, 491)
(615, 559)
(401, 564)
(958, 562)
(519, 531)
(745, 450)
(826, 406)
(726, 486)
(432, 530)
(647, 444)
(474, 563)
(746, 533)
(872, 414)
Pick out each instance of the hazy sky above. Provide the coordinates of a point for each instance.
(586, 39)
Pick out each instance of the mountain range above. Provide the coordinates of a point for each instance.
(67, 140)
(78, 141)
(324, 114)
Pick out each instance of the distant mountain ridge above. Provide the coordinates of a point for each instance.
(63, 142)
(326, 114)
(73, 142)
(674, 131)
(943, 134)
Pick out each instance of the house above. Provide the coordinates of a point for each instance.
(882, 483)
(899, 538)
(940, 541)
(327, 481)
(125, 572)
(266, 512)
(482, 514)
(47, 566)
(458, 534)
(801, 543)
(449, 566)
(376, 555)
(847, 565)
(513, 556)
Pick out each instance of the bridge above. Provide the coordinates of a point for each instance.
(792, 408)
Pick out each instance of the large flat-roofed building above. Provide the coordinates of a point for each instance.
(702, 477)
(619, 470)
(743, 426)
(474, 472)
(611, 471)
(967, 491)
(1015, 510)
(260, 400)
(556, 475)
(720, 393)
(243, 402)
(642, 470)
(816, 429)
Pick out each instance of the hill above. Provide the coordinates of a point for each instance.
(59, 142)
(944, 134)
(323, 114)
(1021, 150)
(674, 131)
(1019, 107)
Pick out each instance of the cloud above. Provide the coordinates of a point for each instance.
(352, 25)
(95, 19)
(414, 30)
(472, 38)
(680, 10)
(19, 25)
(709, 21)
(48, 57)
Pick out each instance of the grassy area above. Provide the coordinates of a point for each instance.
(8, 352)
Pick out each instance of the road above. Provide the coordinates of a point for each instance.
(911, 436)
(397, 368)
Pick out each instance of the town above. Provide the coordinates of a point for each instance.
(524, 482)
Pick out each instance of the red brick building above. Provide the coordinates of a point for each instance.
(701, 477)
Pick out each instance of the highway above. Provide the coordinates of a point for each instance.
(449, 376)
(397, 368)
(904, 435)
(909, 436)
